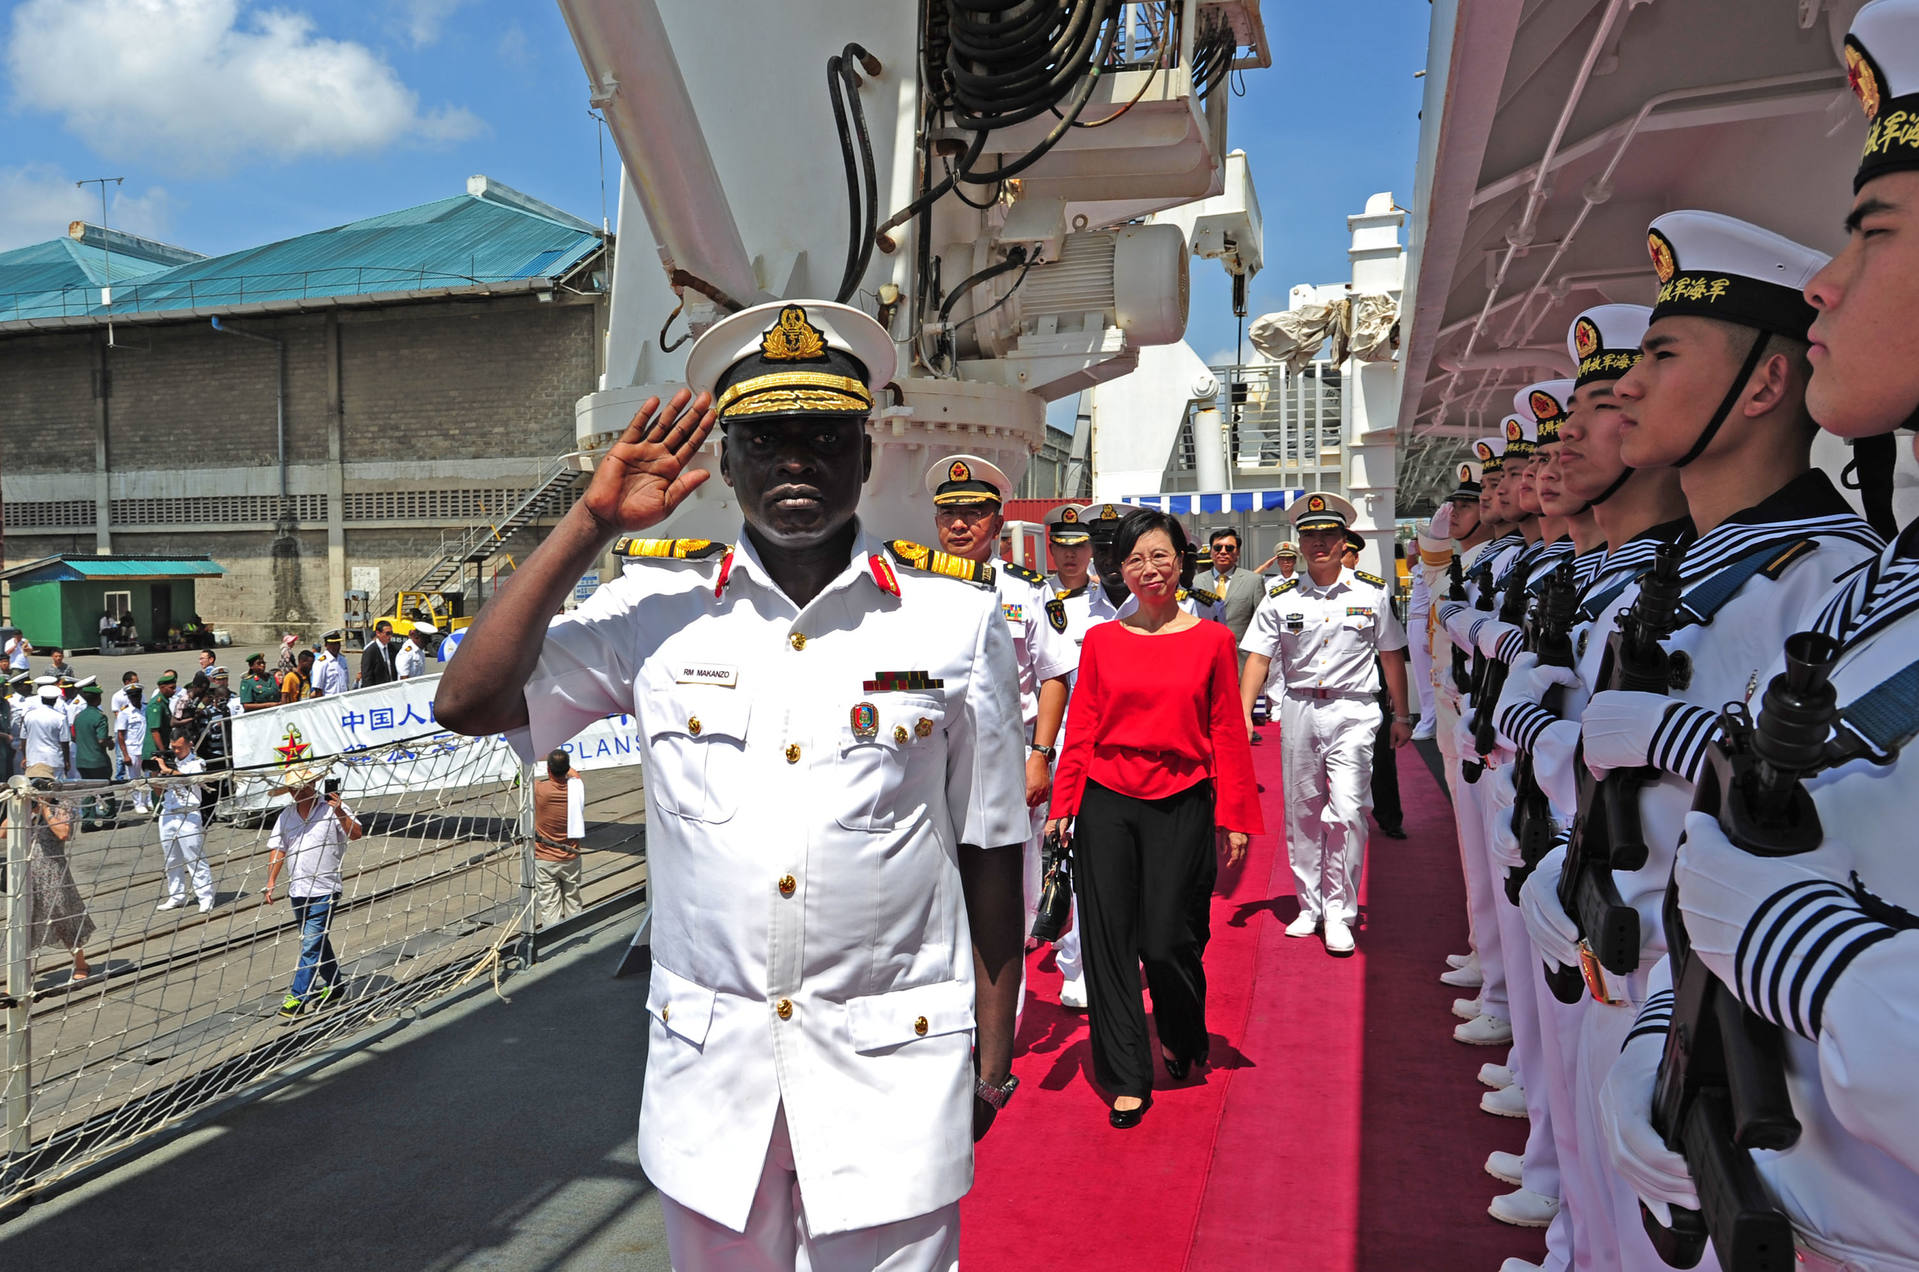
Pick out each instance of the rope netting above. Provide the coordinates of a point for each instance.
(193, 986)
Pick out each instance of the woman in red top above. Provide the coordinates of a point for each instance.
(1156, 762)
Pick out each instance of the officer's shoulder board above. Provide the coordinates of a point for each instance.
(1019, 571)
(634, 548)
(917, 556)
(1204, 597)
(1364, 577)
(1279, 589)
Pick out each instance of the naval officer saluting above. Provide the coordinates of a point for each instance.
(1317, 634)
(834, 801)
(968, 495)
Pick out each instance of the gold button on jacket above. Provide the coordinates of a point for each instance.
(693, 726)
(920, 1026)
(787, 884)
(793, 753)
(797, 640)
(785, 1008)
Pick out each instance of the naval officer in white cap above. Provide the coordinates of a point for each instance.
(1311, 646)
(969, 494)
(835, 806)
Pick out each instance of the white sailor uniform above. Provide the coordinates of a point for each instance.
(1323, 643)
(812, 775)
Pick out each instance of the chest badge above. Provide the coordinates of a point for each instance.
(1013, 613)
(1295, 622)
(1056, 615)
(924, 728)
(865, 720)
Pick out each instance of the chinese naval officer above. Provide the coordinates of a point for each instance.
(835, 806)
(969, 494)
(1315, 637)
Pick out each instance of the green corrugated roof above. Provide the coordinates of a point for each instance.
(492, 234)
(68, 569)
(60, 265)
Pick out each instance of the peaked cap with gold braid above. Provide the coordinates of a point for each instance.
(802, 357)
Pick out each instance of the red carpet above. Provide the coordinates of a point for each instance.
(1337, 1130)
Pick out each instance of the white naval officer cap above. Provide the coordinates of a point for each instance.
(1321, 510)
(792, 357)
(1604, 341)
(966, 479)
(1066, 525)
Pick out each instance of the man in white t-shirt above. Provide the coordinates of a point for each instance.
(129, 735)
(308, 840)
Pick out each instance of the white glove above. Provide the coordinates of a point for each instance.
(1618, 729)
(1441, 526)
(1528, 681)
(1553, 767)
(1492, 633)
(1499, 794)
(1463, 734)
(1555, 935)
(1653, 1171)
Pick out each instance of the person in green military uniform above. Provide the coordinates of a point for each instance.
(257, 690)
(159, 711)
(93, 757)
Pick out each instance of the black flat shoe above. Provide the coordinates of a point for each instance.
(1176, 1069)
(1393, 832)
(1127, 1119)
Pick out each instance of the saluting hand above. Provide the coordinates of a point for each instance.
(648, 472)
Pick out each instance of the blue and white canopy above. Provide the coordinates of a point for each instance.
(1207, 501)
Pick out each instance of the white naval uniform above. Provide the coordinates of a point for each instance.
(183, 837)
(812, 960)
(1322, 643)
(46, 737)
(330, 675)
(1086, 608)
(1725, 661)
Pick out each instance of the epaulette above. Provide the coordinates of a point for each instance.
(1204, 597)
(668, 549)
(917, 556)
(1792, 552)
(1278, 588)
(1019, 571)
(1364, 577)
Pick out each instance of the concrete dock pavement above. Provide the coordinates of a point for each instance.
(486, 1134)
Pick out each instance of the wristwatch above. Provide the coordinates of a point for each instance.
(1050, 752)
(996, 1094)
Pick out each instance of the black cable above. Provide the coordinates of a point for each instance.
(1081, 95)
(861, 213)
(1002, 300)
(1014, 260)
(847, 164)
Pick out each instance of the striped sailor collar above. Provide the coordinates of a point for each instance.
(1808, 506)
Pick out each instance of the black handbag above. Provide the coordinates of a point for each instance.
(1055, 890)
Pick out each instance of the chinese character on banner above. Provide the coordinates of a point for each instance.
(380, 718)
(351, 720)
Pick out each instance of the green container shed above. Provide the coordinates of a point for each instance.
(58, 600)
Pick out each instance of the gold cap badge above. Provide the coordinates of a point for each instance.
(1465, 472)
(1543, 404)
(793, 338)
(959, 471)
(1070, 515)
(1316, 504)
(1514, 431)
(1585, 337)
(1483, 450)
(1664, 263)
(1863, 80)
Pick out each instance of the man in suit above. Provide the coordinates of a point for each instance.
(377, 659)
(1238, 589)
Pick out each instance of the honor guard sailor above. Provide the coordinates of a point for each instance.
(1312, 645)
(1822, 943)
(835, 805)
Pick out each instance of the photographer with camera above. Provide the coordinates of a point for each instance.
(312, 832)
(56, 917)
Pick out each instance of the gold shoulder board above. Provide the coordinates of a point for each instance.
(1287, 586)
(1204, 597)
(1019, 571)
(917, 556)
(1364, 577)
(668, 549)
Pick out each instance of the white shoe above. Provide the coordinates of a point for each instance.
(1424, 730)
(1304, 925)
(1505, 1102)
(1466, 1008)
(1072, 994)
(1485, 1031)
(1462, 960)
(1339, 937)
(205, 906)
(1463, 978)
(171, 903)
(1505, 1166)
(1520, 1265)
(1524, 1209)
(1496, 1076)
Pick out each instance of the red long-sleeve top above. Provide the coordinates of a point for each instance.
(1153, 715)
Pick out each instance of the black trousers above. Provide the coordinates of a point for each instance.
(1386, 809)
(1145, 872)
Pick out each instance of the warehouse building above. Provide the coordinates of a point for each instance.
(383, 405)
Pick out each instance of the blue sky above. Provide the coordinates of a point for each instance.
(237, 123)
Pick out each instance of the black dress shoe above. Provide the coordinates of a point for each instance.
(1176, 1069)
(1127, 1119)
(1393, 832)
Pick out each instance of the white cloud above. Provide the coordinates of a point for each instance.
(38, 200)
(201, 84)
(422, 20)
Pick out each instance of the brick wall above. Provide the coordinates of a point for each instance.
(47, 405)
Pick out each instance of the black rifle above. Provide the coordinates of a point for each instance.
(1721, 1090)
(1457, 592)
(1482, 601)
(1606, 834)
(1512, 612)
(1550, 639)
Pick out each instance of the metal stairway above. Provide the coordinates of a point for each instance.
(550, 496)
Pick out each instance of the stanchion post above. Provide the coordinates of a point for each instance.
(18, 1086)
(529, 867)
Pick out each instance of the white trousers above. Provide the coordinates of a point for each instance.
(777, 1238)
(1481, 900)
(1420, 651)
(183, 840)
(1072, 968)
(1327, 747)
